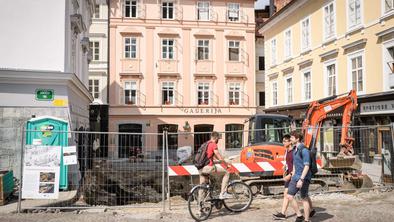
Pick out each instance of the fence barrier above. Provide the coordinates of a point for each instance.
(126, 169)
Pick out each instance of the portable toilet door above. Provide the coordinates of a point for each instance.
(50, 131)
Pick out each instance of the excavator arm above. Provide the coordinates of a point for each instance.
(317, 113)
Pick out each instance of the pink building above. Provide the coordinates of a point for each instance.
(186, 65)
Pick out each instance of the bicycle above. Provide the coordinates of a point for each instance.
(202, 198)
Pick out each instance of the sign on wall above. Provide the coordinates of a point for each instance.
(377, 107)
(45, 94)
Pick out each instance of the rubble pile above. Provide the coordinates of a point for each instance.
(110, 184)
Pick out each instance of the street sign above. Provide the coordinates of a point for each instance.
(45, 94)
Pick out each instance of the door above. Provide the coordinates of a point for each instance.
(385, 148)
(202, 133)
(130, 139)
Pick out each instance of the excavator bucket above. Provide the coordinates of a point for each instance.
(344, 162)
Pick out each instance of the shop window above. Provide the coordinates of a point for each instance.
(172, 138)
(234, 135)
(130, 140)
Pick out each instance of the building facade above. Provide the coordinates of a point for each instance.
(261, 15)
(98, 67)
(43, 67)
(328, 48)
(187, 66)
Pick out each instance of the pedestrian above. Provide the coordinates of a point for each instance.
(287, 177)
(301, 175)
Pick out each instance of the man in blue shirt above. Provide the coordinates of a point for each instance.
(301, 174)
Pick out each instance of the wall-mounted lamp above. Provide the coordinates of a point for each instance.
(147, 124)
(187, 127)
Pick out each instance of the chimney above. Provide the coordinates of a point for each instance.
(272, 7)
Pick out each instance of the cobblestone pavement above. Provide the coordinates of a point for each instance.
(371, 206)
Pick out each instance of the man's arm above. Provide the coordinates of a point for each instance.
(306, 159)
(217, 155)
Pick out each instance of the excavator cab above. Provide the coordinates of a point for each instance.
(266, 132)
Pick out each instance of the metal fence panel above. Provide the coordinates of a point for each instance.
(114, 169)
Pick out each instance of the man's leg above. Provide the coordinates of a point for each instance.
(305, 199)
(307, 208)
(225, 179)
(285, 203)
(296, 208)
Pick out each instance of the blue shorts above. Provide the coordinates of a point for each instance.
(287, 184)
(293, 190)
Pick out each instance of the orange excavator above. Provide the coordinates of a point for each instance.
(341, 170)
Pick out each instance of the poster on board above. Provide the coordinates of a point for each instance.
(41, 172)
(69, 155)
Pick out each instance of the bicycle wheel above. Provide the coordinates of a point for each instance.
(241, 197)
(199, 203)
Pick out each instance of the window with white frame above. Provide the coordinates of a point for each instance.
(234, 93)
(389, 61)
(167, 9)
(130, 47)
(167, 47)
(234, 50)
(203, 11)
(388, 6)
(203, 49)
(130, 93)
(329, 21)
(167, 92)
(306, 34)
(289, 90)
(356, 66)
(331, 79)
(94, 88)
(273, 52)
(131, 8)
(203, 92)
(354, 13)
(307, 90)
(233, 12)
(95, 49)
(96, 11)
(274, 93)
(288, 44)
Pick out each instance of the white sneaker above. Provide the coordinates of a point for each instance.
(225, 195)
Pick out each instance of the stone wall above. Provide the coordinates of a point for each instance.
(12, 119)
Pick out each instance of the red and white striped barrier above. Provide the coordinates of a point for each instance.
(273, 168)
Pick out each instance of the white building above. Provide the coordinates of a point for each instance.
(44, 47)
(98, 36)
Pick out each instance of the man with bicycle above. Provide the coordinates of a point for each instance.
(213, 152)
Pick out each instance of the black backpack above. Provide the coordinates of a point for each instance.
(313, 164)
(201, 158)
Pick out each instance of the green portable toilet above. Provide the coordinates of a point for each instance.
(51, 131)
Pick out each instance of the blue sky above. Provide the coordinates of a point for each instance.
(261, 4)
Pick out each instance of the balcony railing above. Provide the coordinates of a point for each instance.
(214, 99)
(178, 98)
(140, 99)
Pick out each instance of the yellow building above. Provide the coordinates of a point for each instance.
(320, 48)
